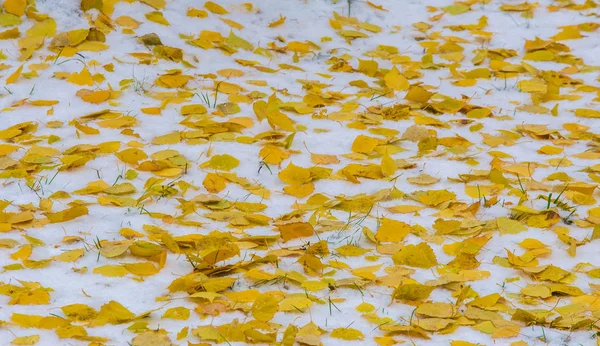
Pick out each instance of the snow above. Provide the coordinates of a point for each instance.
(306, 20)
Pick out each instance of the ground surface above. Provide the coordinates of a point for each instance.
(188, 172)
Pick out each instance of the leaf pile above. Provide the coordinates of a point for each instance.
(309, 173)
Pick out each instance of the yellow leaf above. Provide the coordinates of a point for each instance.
(524, 6)
(87, 5)
(157, 17)
(38, 296)
(530, 243)
(540, 55)
(179, 313)
(214, 183)
(182, 333)
(507, 332)
(223, 162)
(232, 23)
(193, 12)
(461, 343)
(273, 155)
(26, 340)
(23, 253)
(151, 110)
(377, 7)
(92, 46)
(193, 109)
(171, 138)
(584, 113)
(215, 8)
(114, 249)
(568, 33)
(412, 291)
(120, 189)
(14, 76)
(77, 36)
(508, 226)
(299, 191)
(96, 97)
(439, 310)
(237, 42)
(365, 307)
(71, 331)
(112, 312)
(314, 286)
(423, 179)
(418, 94)
(368, 67)
(392, 231)
(115, 123)
(295, 230)
(7, 19)
(26, 321)
(278, 119)
(69, 256)
(388, 166)
(295, 303)
(549, 150)
(20, 217)
(131, 156)
(79, 312)
(298, 47)
(8, 243)
(395, 80)
(156, 4)
(6, 149)
(457, 8)
(323, 159)
(176, 80)
(265, 307)
(364, 144)
(128, 22)
(209, 333)
(278, 22)
(84, 77)
(384, 340)
(370, 27)
(210, 296)
(294, 175)
(366, 272)
(10, 34)
(347, 334)
(151, 338)
(405, 209)
(229, 108)
(41, 103)
(532, 86)
(43, 28)
(352, 34)
(16, 7)
(351, 250)
(67, 214)
(141, 269)
(421, 256)
(434, 197)
(111, 270)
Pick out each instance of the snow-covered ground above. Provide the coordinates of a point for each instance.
(312, 172)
